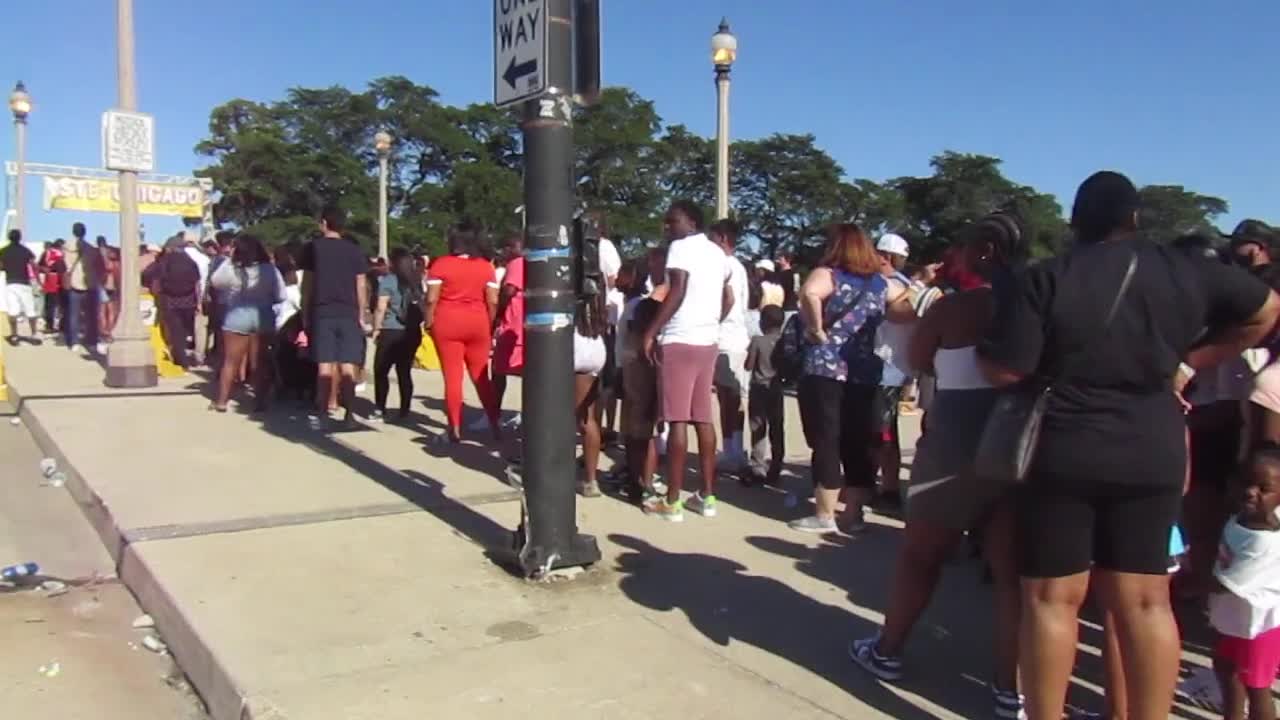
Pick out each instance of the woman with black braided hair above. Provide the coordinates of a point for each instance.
(945, 498)
(1106, 325)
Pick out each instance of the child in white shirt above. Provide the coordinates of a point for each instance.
(1246, 609)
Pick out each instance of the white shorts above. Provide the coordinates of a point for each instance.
(19, 301)
(731, 372)
(589, 355)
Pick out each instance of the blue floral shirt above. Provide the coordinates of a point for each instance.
(849, 353)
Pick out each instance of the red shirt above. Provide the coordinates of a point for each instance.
(52, 282)
(463, 281)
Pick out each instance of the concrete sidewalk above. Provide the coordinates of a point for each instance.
(298, 574)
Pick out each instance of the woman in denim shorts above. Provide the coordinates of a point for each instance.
(248, 288)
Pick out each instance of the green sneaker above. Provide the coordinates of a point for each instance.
(704, 506)
(671, 512)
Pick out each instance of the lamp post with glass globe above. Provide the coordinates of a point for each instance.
(382, 143)
(20, 104)
(724, 50)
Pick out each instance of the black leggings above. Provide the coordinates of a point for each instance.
(839, 425)
(395, 348)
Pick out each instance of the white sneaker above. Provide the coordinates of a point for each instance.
(102, 348)
(511, 424)
(361, 387)
(77, 348)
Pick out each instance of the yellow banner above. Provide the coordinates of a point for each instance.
(95, 195)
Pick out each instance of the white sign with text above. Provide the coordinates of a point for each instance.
(519, 50)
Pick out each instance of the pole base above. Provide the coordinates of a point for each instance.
(536, 561)
(130, 364)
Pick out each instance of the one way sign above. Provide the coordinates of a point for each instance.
(519, 50)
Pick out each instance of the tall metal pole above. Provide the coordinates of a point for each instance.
(382, 205)
(130, 361)
(20, 130)
(549, 530)
(722, 141)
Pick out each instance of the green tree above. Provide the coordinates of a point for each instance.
(1169, 211)
(786, 190)
(277, 165)
(616, 168)
(963, 188)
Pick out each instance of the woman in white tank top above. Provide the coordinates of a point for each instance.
(944, 498)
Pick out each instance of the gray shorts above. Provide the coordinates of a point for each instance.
(943, 490)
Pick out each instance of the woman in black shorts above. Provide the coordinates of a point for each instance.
(1105, 486)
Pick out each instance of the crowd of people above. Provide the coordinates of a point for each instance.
(1159, 401)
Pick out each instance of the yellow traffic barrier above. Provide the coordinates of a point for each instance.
(165, 366)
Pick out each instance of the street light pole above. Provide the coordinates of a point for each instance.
(130, 361)
(724, 50)
(382, 143)
(20, 104)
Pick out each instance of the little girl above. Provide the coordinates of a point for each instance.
(1245, 609)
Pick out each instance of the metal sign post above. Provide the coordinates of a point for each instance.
(548, 537)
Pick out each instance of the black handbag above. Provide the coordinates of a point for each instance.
(1012, 433)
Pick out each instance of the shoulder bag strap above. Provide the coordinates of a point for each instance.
(830, 314)
(1111, 314)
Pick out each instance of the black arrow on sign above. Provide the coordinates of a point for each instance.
(515, 72)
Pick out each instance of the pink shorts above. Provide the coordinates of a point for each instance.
(684, 379)
(1256, 659)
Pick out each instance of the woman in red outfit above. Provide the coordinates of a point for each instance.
(462, 300)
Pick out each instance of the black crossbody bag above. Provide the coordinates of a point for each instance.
(1012, 433)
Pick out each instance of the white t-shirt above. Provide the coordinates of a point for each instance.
(614, 301)
(734, 337)
(697, 322)
(202, 263)
(610, 260)
(892, 339)
(1248, 567)
(292, 304)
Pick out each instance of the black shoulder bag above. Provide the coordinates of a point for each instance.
(1012, 433)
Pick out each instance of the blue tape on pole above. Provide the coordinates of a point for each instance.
(548, 320)
(546, 254)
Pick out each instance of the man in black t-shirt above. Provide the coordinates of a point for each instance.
(334, 300)
(18, 264)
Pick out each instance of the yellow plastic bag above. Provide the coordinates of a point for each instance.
(426, 357)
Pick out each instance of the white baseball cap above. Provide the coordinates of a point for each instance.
(894, 245)
(765, 265)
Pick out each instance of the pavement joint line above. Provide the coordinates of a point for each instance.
(223, 694)
(742, 668)
(267, 522)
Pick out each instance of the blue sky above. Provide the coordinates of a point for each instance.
(1179, 91)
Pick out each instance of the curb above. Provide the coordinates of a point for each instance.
(213, 682)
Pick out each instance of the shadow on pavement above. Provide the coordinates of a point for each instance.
(726, 604)
(948, 659)
(415, 487)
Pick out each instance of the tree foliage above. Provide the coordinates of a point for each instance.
(1169, 211)
(275, 165)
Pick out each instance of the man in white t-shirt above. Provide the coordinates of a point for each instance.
(610, 377)
(684, 341)
(731, 378)
(892, 339)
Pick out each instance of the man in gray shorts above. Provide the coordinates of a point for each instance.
(334, 301)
